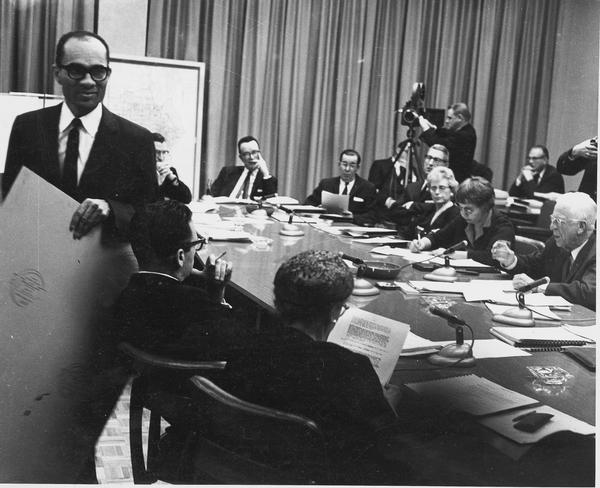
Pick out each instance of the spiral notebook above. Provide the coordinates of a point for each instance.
(471, 394)
(539, 336)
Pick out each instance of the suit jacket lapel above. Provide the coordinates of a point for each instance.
(49, 134)
(582, 257)
(102, 151)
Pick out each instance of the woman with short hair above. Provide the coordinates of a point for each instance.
(478, 223)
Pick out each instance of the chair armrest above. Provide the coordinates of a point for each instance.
(156, 361)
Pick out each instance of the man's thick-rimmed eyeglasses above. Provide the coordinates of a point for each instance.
(435, 160)
(199, 244)
(77, 71)
(252, 154)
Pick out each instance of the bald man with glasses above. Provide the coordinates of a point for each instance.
(569, 258)
(103, 161)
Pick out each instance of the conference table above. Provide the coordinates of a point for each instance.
(256, 263)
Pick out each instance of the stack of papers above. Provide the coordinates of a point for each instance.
(539, 336)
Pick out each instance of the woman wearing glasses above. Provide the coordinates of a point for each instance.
(478, 223)
(434, 216)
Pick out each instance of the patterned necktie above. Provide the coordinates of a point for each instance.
(69, 176)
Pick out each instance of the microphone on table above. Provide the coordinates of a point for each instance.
(520, 316)
(450, 250)
(454, 247)
(457, 354)
(534, 284)
(446, 273)
(290, 229)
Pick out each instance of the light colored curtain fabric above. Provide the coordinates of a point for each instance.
(309, 78)
(29, 30)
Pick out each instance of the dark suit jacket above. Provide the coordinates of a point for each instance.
(551, 181)
(380, 174)
(362, 197)
(423, 220)
(228, 177)
(578, 285)
(500, 229)
(460, 144)
(163, 316)
(179, 192)
(121, 167)
(568, 166)
(331, 385)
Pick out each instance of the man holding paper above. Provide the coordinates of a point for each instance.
(569, 258)
(360, 192)
(103, 161)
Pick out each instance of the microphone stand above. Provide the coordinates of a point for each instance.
(457, 354)
(519, 316)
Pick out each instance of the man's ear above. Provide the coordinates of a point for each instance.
(180, 257)
(55, 71)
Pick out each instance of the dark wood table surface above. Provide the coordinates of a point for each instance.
(255, 267)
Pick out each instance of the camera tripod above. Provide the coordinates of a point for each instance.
(408, 145)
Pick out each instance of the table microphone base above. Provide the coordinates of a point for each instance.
(516, 316)
(450, 354)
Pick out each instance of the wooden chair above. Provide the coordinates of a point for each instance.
(150, 368)
(525, 245)
(241, 442)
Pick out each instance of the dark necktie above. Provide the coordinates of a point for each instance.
(69, 176)
(567, 267)
(246, 187)
(536, 178)
(345, 191)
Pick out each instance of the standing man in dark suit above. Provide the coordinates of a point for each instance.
(252, 180)
(582, 157)
(361, 193)
(537, 176)
(457, 135)
(103, 161)
(569, 258)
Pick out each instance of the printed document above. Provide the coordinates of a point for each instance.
(379, 338)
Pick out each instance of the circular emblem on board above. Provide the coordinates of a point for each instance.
(26, 286)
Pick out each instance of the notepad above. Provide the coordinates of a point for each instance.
(471, 394)
(539, 336)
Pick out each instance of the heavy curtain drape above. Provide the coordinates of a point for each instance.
(309, 78)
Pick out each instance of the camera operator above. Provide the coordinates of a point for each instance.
(458, 135)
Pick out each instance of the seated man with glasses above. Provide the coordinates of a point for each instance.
(537, 176)
(158, 311)
(103, 161)
(252, 180)
(169, 184)
(569, 258)
(361, 193)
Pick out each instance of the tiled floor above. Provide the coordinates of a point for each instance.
(113, 463)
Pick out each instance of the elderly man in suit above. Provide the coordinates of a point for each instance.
(252, 180)
(569, 258)
(537, 176)
(361, 193)
(103, 161)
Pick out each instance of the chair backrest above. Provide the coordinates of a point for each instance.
(543, 220)
(248, 443)
(525, 245)
(146, 393)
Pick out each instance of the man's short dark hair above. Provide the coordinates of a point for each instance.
(477, 191)
(309, 284)
(158, 137)
(60, 46)
(461, 109)
(544, 150)
(246, 139)
(351, 152)
(158, 230)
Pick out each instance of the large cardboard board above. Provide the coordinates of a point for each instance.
(56, 295)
